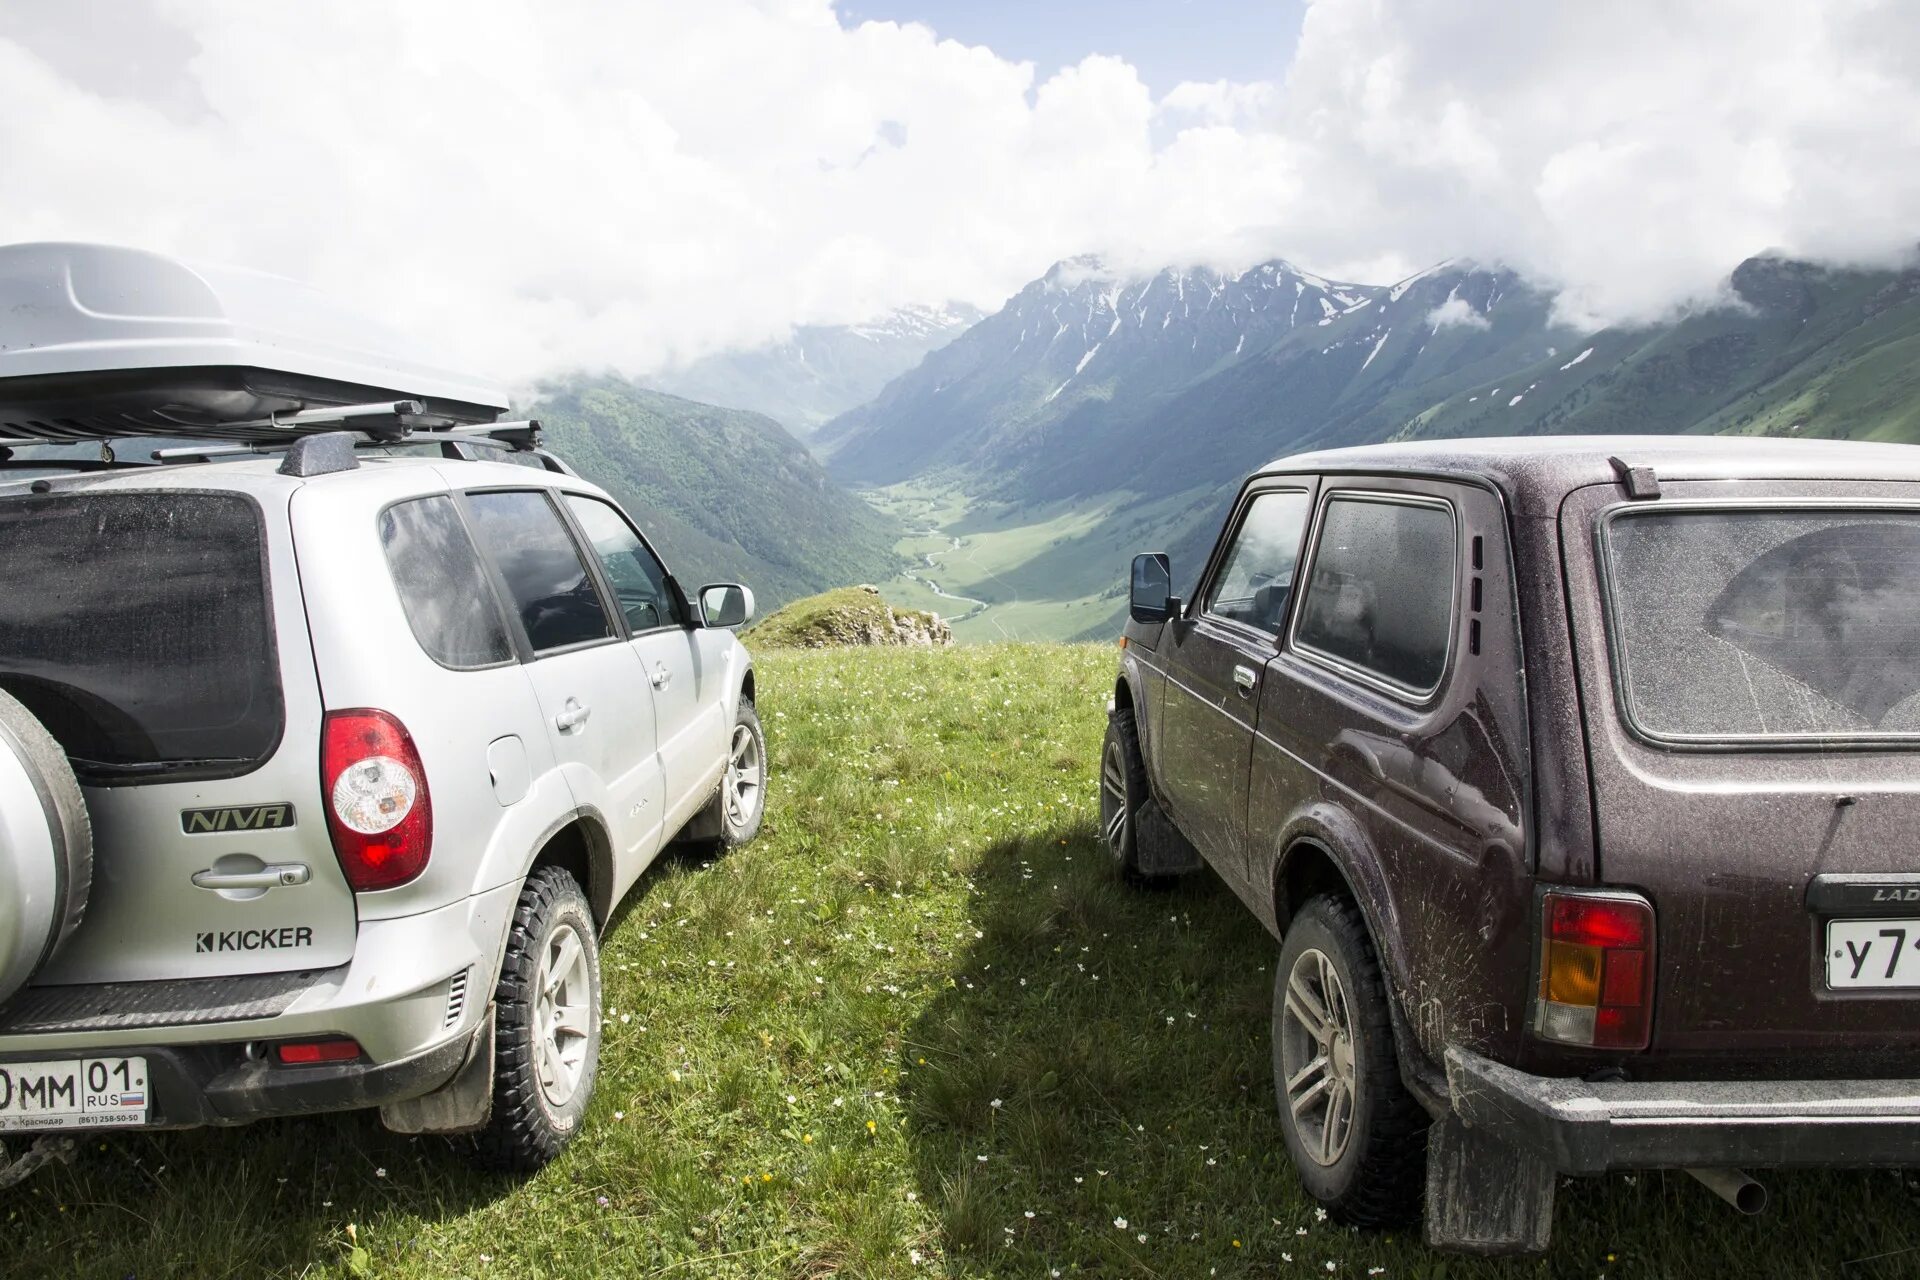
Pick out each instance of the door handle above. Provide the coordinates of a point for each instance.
(1245, 677)
(661, 677)
(572, 716)
(272, 876)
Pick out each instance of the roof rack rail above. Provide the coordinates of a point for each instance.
(103, 461)
(457, 442)
(387, 418)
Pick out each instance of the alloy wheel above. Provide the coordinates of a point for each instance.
(746, 777)
(1320, 1074)
(562, 1010)
(1115, 813)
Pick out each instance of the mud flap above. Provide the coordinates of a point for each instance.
(707, 824)
(1483, 1195)
(1159, 848)
(463, 1104)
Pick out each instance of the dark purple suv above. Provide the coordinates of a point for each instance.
(1580, 781)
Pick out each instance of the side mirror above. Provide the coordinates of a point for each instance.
(726, 604)
(1150, 595)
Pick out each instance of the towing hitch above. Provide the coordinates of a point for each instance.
(44, 1151)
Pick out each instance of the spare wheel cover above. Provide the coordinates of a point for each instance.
(46, 847)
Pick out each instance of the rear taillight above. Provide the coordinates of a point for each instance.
(1596, 970)
(378, 809)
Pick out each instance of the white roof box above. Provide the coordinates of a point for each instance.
(99, 342)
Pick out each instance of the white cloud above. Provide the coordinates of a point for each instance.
(1457, 312)
(1220, 102)
(544, 183)
(1629, 152)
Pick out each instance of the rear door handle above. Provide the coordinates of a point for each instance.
(572, 716)
(272, 876)
(1245, 677)
(661, 677)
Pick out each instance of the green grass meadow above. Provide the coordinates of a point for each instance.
(917, 1030)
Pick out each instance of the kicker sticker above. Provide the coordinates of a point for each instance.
(246, 817)
(290, 938)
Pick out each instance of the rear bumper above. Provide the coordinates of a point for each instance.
(220, 1085)
(1581, 1127)
(414, 983)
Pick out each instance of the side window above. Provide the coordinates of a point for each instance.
(1380, 597)
(1256, 580)
(549, 584)
(639, 580)
(442, 586)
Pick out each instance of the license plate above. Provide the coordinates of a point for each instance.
(1873, 953)
(78, 1093)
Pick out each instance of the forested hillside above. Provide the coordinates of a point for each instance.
(725, 494)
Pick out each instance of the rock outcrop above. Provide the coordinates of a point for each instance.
(850, 616)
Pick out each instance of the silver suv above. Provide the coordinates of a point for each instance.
(369, 748)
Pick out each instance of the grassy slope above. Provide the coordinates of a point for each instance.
(727, 495)
(806, 1041)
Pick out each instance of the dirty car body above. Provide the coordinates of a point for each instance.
(1611, 743)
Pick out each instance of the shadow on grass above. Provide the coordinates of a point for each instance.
(274, 1197)
(1093, 1093)
(1100, 1044)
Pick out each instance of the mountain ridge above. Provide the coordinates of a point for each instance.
(1080, 360)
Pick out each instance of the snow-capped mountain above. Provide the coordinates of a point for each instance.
(1087, 374)
(820, 371)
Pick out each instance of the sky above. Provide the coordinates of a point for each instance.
(1169, 42)
(540, 185)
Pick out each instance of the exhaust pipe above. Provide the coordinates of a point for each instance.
(1735, 1187)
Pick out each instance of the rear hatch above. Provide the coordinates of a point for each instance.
(1750, 659)
(158, 634)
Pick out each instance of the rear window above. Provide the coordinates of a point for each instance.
(442, 586)
(136, 627)
(1772, 623)
(1380, 597)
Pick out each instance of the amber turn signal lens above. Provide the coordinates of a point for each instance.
(1573, 973)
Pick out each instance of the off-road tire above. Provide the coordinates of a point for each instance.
(525, 1130)
(1378, 1181)
(1123, 794)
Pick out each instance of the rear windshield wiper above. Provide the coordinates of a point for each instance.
(148, 768)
